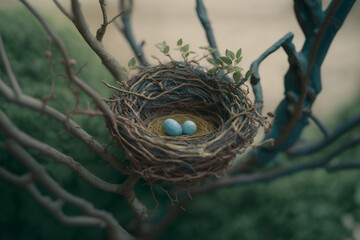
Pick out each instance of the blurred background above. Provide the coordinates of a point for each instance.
(252, 25)
(310, 205)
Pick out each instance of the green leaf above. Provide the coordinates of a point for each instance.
(238, 53)
(134, 67)
(132, 62)
(155, 57)
(161, 45)
(179, 42)
(211, 50)
(211, 61)
(123, 69)
(248, 73)
(238, 60)
(185, 48)
(226, 60)
(238, 69)
(237, 76)
(229, 68)
(166, 49)
(218, 61)
(187, 54)
(213, 70)
(230, 54)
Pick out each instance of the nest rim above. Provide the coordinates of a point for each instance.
(162, 90)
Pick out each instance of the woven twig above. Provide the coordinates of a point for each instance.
(177, 88)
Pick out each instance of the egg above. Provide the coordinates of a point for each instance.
(172, 127)
(189, 127)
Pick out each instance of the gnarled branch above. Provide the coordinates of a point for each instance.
(92, 216)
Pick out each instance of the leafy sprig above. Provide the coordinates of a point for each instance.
(222, 66)
(227, 64)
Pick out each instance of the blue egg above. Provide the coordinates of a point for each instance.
(189, 127)
(172, 127)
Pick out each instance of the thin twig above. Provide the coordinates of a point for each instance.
(63, 10)
(25, 140)
(174, 211)
(71, 126)
(92, 216)
(65, 55)
(13, 81)
(340, 131)
(320, 125)
(109, 61)
(126, 30)
(201, 12)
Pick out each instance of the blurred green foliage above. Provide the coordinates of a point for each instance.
(20, 216)
(309, 205)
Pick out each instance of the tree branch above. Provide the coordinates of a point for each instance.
(93, 216)
(298, 109)
(111, 63)
(309, 15)
(72, 77)
(126, 30)
(25, 140)
(280, 172)
(320, 125)
(101, 31)
(69, 125)
(62, 9)
(174, 211)
(13, 81)
(332, 137)
(286, 43)
(205, 22)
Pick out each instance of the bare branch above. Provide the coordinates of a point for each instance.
(310, 148)
(298, 109)
(110, 62)
(129, 195)
(47, 151)
(68, 124)
(93, 216)
(101, 31)
(79, 82)
(25, 140)
(280, 172)
(62, 9)
(201, 12)
(320, 125)
(71, 126)
(14, 83)
(346, 165)
(174, 211)
(126, 30)
(286, 43)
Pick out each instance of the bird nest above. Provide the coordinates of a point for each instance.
(226, 119)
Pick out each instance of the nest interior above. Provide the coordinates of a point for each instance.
(185, 91)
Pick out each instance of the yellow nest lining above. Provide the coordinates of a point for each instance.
(204, 125)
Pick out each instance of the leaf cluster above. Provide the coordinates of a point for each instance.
(228, 64)
(222, 66)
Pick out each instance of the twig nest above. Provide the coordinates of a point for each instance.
(225, 118)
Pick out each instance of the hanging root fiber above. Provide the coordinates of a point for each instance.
(226, 119)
